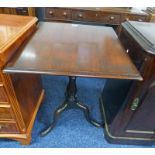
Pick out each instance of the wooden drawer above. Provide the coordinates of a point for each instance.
(85, 15)
(6, 113)
(8, 128)
(134, 18)
(0, 79)
(3, 96)
(22, 11)
(57, 14)
(110, 18)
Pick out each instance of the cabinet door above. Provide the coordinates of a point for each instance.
(143, 118)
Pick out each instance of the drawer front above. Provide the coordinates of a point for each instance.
(135, 18)
(57, 14)
(8, 128)
(0, 79)
(6, 113)
(85, 15)
(22, 11)
(3, 95)
(110, 18)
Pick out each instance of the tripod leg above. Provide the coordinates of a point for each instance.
(57, 113)
(86, 111)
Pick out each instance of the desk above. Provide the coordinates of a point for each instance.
(73, 50)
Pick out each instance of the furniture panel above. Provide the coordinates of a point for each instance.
(108, 18)
(133, 49)
(8, 128)
(3, 96)
(6, 113)
(142, 112)
(135, 18)
(27, 88)
(82, 15)
(57, 14)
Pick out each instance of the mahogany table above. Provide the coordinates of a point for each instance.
(73, 50)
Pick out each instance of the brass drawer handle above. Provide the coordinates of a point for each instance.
(65, 13)
(80, 15)
(51, 12)
(135, 104)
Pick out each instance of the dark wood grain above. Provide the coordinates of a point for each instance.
(74, 50)
(93, 15)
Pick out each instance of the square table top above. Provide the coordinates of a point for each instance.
(74, 50)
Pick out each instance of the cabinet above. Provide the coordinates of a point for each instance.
(129, 113)
(20, 94)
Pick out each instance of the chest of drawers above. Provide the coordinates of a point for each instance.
(19, 100)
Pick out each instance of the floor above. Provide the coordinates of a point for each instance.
(72, 130)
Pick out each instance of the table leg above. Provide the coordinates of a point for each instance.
(71, 101)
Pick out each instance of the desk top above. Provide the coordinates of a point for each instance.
(12, 28)
(74, 50)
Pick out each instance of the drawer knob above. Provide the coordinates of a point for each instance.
(140, 20)
(51, 12)
(80, 15)
(65, 13)
(112, 18)
(127, 51)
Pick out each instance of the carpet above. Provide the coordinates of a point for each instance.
(72, 130)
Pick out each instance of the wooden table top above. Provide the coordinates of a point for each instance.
(12, 29)
(74, 50)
